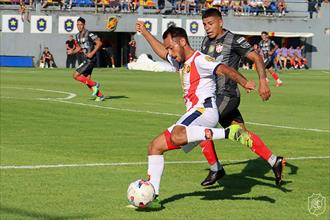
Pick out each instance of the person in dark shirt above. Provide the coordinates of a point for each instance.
(131, 51)
(47, 58)
(229, 48)
(268, 48)
(87, 43)
(70, 56)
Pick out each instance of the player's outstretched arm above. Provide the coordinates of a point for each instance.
(248, 85)
(264, 91)
(157, 46)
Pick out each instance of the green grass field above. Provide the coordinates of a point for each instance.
(47, 118)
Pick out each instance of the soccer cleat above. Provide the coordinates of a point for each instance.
(155, 204)
(95, 89)
(279, 83)
(278, 169)
(100, 98)
(213, 177)
(236, 133)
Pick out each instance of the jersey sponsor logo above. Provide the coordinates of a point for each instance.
(211, 49)
(246, 45)
(13, 24)
(218, 48)
(240, 40)
(194, 27)
(41, 24)
(68, 25)
(209, 59)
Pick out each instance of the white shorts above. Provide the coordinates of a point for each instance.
(206, 117)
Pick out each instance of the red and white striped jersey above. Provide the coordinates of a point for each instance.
(197, 78)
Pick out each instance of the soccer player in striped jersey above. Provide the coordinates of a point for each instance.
(89, 44)
(229, 48)
(197, 72)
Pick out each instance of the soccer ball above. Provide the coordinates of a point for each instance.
(140, 193)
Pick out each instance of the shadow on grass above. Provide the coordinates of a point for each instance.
(233, 186)
(116, 97)
(37, 215)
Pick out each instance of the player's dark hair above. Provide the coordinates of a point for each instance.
(264, 32)
(211, 12)
(176, 32)
(81, 20)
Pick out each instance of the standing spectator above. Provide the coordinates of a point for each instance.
(132, 51)
(109, 56)
(70, 56)
(311, 7)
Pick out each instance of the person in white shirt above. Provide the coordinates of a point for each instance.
(197, 73)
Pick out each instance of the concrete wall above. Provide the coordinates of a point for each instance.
(29, 44)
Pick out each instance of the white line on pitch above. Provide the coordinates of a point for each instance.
(144, 163)
(71, 95)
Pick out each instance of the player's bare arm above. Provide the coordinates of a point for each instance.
(156, 45)
(98, 45)
(248, 85)
(264, 91)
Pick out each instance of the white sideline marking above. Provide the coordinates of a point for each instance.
(72, 95)
(144, 163)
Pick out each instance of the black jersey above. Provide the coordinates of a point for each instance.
(228, 49)
(266, 47)
(86, 41)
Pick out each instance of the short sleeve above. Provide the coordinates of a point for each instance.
(241, 46)
(206, 64)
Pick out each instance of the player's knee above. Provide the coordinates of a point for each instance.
(179, 136)
(154, 149)
(75, 76)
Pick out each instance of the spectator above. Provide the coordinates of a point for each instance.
(281, 7)
(246, 7)
(110, 60)
(124, 6)
(70, 56)
(311, 7)
(24, 11)
(225, 6)
(161, 6)
(47, 59)
(131, 51)
(236, 5)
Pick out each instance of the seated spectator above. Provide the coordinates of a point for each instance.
(216, 4)
(208, 4)
(47, 59)
(24, 11)
(114, 6)
(132, 5)
(181, 6)
(161, 6)
(191, 6)
(281, 7)
(256, 6)
(312, 4)
(225, 6)
(268, 7)
(124, 6)
(246, 7)
(236, 5)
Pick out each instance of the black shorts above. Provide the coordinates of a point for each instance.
(228, 110)
(86, 67)
(269, 62)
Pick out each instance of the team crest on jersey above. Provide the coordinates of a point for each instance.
(186, 68)
(218, 48)
(209, 59)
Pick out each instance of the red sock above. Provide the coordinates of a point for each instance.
(259, 147)
(274, 75)
(85, 80)
(209, 151)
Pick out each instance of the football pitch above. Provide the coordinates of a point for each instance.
(65, 156)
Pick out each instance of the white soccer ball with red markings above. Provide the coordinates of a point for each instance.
(140, 193)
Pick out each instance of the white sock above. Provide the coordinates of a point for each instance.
(197, 133)
(216, 166)
(272, 160)
(155, 170)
